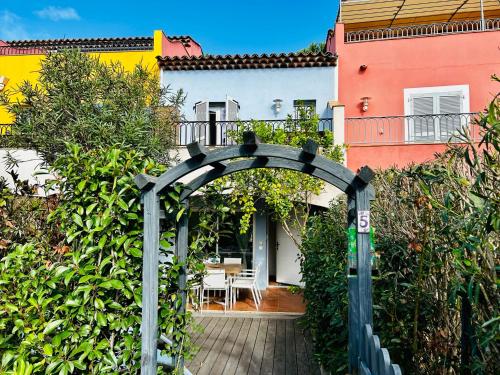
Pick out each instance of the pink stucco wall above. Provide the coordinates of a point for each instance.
(393, 65)
(173, 48)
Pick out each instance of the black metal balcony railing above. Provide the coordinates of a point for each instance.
(435, 128)
(218, 133)
(413, 31)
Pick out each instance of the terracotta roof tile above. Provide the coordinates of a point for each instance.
(96, 44)
(231, 62)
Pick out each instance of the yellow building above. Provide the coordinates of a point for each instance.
(20, 60)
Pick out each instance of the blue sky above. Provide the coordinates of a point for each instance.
(238, 26)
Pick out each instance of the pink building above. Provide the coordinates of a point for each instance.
(410, 73)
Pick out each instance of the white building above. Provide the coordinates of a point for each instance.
(223, 91)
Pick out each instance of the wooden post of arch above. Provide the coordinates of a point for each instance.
(149, 323)
(181, 251)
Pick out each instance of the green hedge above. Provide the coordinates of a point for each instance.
(76, 307)
(435, 295)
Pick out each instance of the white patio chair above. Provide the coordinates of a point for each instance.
(246, 279)
(215, 280)
(232, 260)
(251, 273)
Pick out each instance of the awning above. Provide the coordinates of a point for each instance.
(367, 14)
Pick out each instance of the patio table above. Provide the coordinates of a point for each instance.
(230, 269)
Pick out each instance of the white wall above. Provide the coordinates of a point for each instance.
(29, 165)
(255, 89)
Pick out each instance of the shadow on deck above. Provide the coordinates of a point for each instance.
(252, 345)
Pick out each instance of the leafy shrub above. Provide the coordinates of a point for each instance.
(78, 308)
(23, 217)
(81, 100)
(435, 293)
(323, 265)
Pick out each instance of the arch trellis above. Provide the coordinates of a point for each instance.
(365, 354)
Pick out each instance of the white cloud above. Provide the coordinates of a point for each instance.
(58, 14)
(11, 27)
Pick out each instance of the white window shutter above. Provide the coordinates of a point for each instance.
(201, 110)
(450, 104)
(423, 127)
(450, 122)
(232, 108)
(200, 130)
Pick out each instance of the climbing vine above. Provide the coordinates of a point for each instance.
(287, 194)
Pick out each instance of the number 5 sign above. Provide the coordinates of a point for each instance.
(363, 221)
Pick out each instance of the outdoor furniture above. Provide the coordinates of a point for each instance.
(230, 269)
(232, 260)
(246, 279)
(215, 280)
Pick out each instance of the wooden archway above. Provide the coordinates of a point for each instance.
(251, 154)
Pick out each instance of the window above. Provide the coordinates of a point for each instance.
(435, 113)
(304, 107)
(213, 120)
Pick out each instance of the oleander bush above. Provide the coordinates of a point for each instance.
(436, 299)
(80, 99)
(76, 307)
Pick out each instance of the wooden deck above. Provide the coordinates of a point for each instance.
(252, 345)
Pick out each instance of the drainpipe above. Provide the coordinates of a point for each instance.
(482, 15)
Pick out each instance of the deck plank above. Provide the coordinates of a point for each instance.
(223, 357)
(268, 360)
(200, 357)
(300, 345)
(208, 364)
(279, 367)
(291, 354)
(264, 345)
(246, 355)
(211, 322)
(232, 363)
(201, 338)
(258, 352)
(202, 323)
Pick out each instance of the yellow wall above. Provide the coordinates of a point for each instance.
(20, 68)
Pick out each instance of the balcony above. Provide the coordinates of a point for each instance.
(417, 129)
(415, 31)
(218, 133)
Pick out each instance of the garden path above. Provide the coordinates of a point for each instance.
(266, 344)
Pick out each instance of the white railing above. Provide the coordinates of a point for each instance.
(413, 31)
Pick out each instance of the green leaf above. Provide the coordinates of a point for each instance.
(116, 284)
(101, 319)
(137, 253)
(52, 366)
(6, 358)
(47, 349)
(179, 214)
(122, 205)
(81, 185)
(90, 208)
(102, 242)
(11, 307)
(77, 219)
(73, 302)
(52, 326)
(60, 270)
